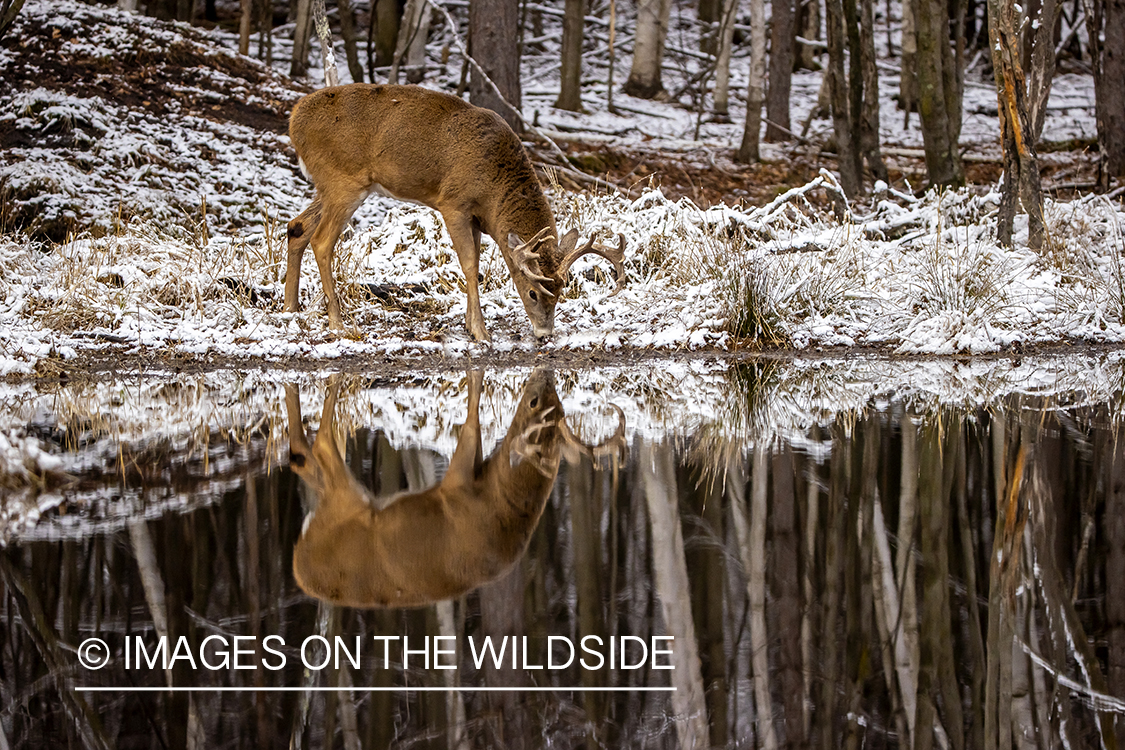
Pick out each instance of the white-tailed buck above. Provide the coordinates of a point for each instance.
(415, 548)
(427, 147)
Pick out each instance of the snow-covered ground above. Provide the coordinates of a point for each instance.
(905, 274)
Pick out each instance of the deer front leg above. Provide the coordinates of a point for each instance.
(298, 441)
(468, 455)
(300, 231)
(466, 241)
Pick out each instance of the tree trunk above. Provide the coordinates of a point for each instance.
(722, 64)
(808, 26)
(748, 151)
(328, 51)
(265, 31)
(648, 49)
(410, 45)
(868, 114)
(494, 40)
(1108, 17)
(299, 67)
(908, 78)
(1021, 165)
(347, 31)
(383, 35)
(846, 148)
(939, 101)
(570, 92)
(781, 71)
(244, 27)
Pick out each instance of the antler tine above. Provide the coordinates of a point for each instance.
(615, 255)
(615, 445)
(522, 257)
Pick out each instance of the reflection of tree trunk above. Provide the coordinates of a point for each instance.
(812, 522)
(670, 571)
(785, 589)
(968, 544)
(858, 581)
(752, 551)
(38, 627)
(502, 615)
(834, 529)
(1113, 453)
(585, 517)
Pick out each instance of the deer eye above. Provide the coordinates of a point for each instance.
(533, 295)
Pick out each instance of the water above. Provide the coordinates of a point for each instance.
(774, 553)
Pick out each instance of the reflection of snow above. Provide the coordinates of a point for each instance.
(209, 430)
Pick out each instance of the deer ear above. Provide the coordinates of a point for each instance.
(514, 240)
(568, 241)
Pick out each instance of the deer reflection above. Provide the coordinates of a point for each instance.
(416, 548)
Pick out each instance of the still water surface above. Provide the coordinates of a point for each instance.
(854, 553)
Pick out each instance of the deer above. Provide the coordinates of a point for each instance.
(415, 548)
(437, 150)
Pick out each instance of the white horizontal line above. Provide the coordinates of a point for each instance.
(321, 689)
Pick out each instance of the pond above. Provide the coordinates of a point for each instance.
(764, 552)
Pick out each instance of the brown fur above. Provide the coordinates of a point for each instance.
(431, 545)
(431, 148)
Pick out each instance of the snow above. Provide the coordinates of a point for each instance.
(211, 429)
(906, 274)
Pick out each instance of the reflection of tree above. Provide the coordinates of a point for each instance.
(860, 581)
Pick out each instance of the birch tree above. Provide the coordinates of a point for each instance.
(644, 79)
(755, 95)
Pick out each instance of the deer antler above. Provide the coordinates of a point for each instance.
(615, 255)
(614, 446)
(524, 449)
(523, 257)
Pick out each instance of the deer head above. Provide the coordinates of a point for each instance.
(540, 291)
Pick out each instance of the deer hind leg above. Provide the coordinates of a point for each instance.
(465, 233)
(300, 231)
(333, 217)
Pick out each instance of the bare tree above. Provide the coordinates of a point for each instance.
(755, 95)
(648, 49)
(9, 9)
(382, 35)
(781, 71)
(722, 63)
(1105, 24)
(570, 92)
(347, 31)
(301, 31)
(1022, 100)
(494, 44)
(939, 93)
